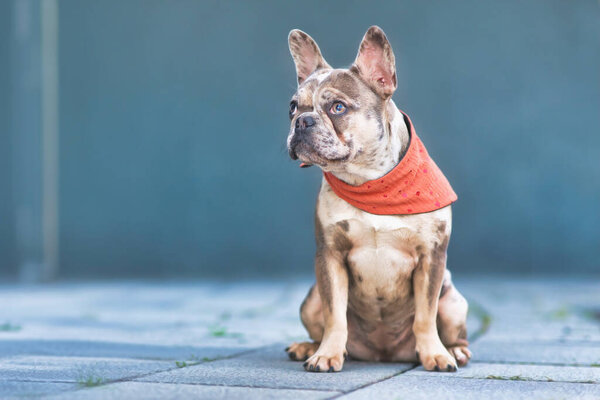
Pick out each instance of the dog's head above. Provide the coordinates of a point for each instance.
(339, 117)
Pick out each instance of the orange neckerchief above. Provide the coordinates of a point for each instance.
(416, 185)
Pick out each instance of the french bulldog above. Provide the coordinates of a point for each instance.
(382, 290)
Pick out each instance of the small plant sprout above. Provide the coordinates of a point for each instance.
(91, 381)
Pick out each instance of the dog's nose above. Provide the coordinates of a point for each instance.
(304, 121)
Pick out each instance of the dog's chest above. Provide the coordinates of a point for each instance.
(384, 249)
(381, 260)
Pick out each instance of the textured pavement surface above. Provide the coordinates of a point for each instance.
(531, 339)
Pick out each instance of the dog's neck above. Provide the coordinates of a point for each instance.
(387, 153)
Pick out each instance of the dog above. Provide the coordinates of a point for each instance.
(382, 222)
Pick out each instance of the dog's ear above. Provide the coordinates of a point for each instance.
(376, 63)
(306, 54)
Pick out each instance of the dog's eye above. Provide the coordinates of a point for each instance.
(337, 108)
(293, 109)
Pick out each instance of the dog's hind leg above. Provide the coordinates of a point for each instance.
(452, 322)
(311, 315)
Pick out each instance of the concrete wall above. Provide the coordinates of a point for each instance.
(8, 267)
(173, 120)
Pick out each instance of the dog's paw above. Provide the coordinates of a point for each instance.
(436, 358)
(301, 351)
(325, 362)
(462, 354)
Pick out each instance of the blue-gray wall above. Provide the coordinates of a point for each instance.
(173, 120)
(7, 228)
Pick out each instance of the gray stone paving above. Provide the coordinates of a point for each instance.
(531, 340)
(269, 367)
(167, 391)
(442, 387)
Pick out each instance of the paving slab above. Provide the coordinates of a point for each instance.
(21, 389)
(270, 367)
(519, 372)
(175, 314)
(536, 352)
(83, 348)
(165, 391)
(543, 330)
(76, 369)
(449, 388)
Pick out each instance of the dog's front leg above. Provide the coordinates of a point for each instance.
(427, 283)
(332, 280)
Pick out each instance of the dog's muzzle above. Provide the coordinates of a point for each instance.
(302, 127)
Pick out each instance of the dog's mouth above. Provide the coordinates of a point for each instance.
(310, 155)
(305, 153)
(294, 156)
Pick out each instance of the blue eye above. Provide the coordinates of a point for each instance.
(293, 109)
(338, 108)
